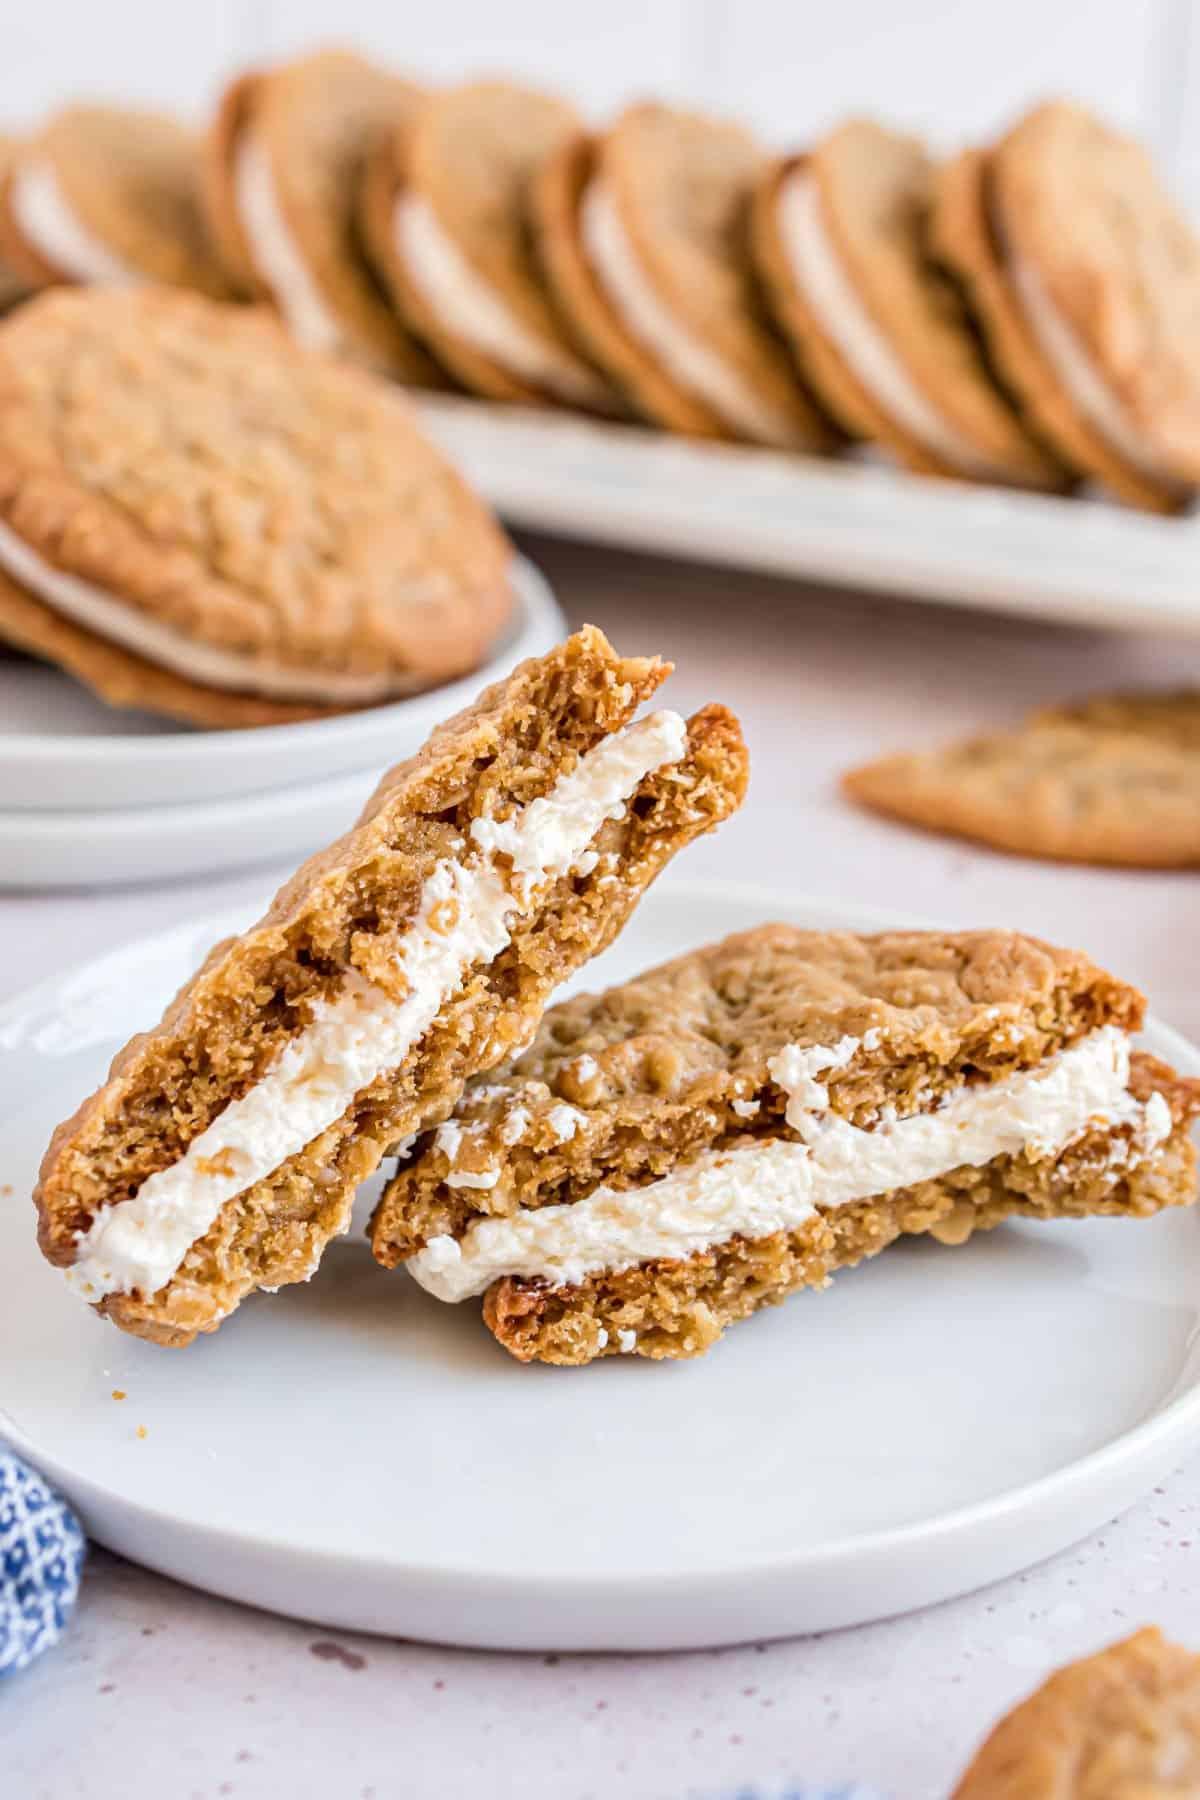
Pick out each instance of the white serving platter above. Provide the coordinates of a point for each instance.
(853, 521)
(355, 1453)
(62, 748)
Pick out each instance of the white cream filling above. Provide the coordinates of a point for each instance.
(1085, 385)
(472, 309)
(686, 358)
(277, 258)
(44, 217)
(122, 623)
(828, 290)
(776, 1185)
(465, 919)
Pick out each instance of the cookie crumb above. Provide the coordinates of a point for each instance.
(118, 1394)
(141, 1431)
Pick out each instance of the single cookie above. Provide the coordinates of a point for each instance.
(224, 1150)
(444, 217)
(105, 194)
(284, 162)
(199, 517)
(671, 1155)
(1085, 280)
(1114, 779)
(1122, 1723)
(643, 234)
(840, 237)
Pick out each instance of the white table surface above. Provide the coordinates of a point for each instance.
(162, 1690)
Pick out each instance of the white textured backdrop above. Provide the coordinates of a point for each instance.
(953, 68)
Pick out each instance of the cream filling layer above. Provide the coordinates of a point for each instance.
(686, 358)
(472, 309)
(465, 919)
(122, 623)
(828, 291)
(1085, 386)
(773, 1186)
(277, 257)
(44, 217)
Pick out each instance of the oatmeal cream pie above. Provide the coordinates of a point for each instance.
(444, 218)
(1123, 1724)
(223, 1151)
(199, 518)
(1114, 778)
(284, 161)
(669, 1156)
(840, 237)
(1085, 280)
(643, 236)
(106, 194)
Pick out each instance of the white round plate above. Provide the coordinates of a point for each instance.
(355, 1453)
(60, 746)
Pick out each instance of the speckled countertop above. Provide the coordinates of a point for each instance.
(162, 1690)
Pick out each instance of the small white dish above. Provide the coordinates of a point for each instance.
(62, 748)
(854, 521)
(353, 1452)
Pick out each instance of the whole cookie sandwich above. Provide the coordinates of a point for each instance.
(841, 240)
(1125, 1722)
(223, 1152)
(284, 161)
(106, 194)
(1085, 280)
(199, 518)
(1114, 778)
(644, 237)
(671, 1155)
(444, 219)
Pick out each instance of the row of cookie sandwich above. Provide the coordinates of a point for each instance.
(1021, 314)
(621, 1173)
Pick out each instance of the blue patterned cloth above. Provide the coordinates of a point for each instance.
(41, 1557)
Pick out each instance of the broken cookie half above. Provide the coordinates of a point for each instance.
(223, 1152)
(671, 1155)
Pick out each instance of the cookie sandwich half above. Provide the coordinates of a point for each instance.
(109, 194)
(223, 1152)
(670, 1156)
(201, 519)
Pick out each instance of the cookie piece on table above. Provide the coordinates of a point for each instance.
(283, 165)
(841, 240)
(224, 1150)
(443, 212)
(107, 194)
(199, 518)
(1112, 779)
(1085, 280)
(671, 1155)
(1123, 1722)
(643, 233)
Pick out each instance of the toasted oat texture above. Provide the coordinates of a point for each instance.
(347, 909)
(682, 185)
(317, 120)
(1122, 1723)
(132, 180)
(470, 154)
(1082, 206)
(618, 1088)
(555, 194)
(1113, 779)
(254, 497)
(875, 188)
